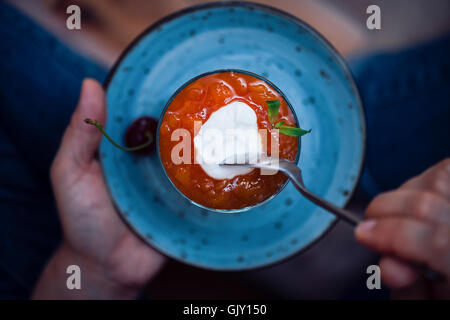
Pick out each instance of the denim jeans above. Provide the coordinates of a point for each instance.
(40, 83)
(405, 95)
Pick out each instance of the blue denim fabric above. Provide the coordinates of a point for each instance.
(40, 81)
(406, 98)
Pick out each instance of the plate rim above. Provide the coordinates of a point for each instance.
(340, 61)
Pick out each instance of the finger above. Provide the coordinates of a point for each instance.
(420, 205)
(409, 239)
(419, 290)
(436, 180)
(397, 273)
(81, 140)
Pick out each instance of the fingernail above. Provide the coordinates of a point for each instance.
(365, 227)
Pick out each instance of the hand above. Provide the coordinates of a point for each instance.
(108, 252)
(410, 226)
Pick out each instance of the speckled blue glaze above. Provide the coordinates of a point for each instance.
(292, 56)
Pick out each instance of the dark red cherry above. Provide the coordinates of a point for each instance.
(137, 135)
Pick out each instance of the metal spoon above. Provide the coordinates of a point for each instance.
(294, 173)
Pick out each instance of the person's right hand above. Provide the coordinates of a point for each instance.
(410, 226)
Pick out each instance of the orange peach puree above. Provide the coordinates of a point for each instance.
(196, 102)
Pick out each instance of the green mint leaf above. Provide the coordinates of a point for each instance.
(274, 107)
(293, 131)
(279, 124)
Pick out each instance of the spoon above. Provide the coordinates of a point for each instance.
(294, 173)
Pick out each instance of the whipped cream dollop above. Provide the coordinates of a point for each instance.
(230, 135)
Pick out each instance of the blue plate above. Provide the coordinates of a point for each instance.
(295, 58)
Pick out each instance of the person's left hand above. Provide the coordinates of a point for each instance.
(94, 235)
(410, 226)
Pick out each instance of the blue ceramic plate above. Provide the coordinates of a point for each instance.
(268, 42)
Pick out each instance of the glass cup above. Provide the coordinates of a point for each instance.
(167, 106)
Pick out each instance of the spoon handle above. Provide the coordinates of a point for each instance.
(294, 173)
(341, 213)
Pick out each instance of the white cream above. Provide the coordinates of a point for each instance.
(230, 133)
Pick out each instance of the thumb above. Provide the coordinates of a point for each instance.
(81, 140)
